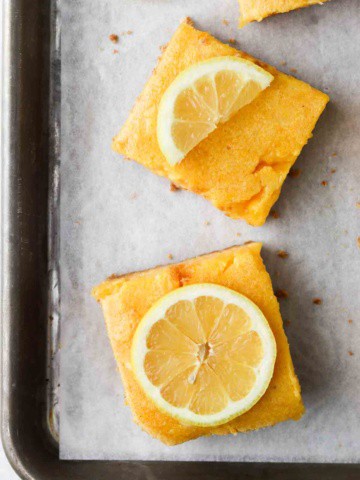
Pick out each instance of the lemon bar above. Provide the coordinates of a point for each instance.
(241, 166)
(126, 299)
(257, 10)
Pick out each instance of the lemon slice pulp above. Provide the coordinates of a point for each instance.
(204, 354)
(203, 96)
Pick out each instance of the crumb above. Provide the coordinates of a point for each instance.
(295, 172)
(115, 51)
(170, 256)
(274, 214)
(281, 294)
(228, 147)
(283, 64)
(113, 276)
(334, 154)
(173, 187)
(114, 38)
(350, 353)
(248, 242)
(238, 234)
(293, 70)
(282, 254)
(205, 40)
(163, 47)
(225, 22)
(358, 242)
(333, 170)
(277, 274)
(207, 223)
(357, 204)
(324, 183)
(287, 323)
(350, 322)
(232, 40)
(317, 301)
(126, 32)
(133, 196)
(77, 222)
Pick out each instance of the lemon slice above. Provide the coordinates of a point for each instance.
(204, 354)
(201, 97)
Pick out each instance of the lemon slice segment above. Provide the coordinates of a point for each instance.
(203, 96)
(204, 354)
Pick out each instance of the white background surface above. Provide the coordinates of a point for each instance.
(6, 472)
(118, 217)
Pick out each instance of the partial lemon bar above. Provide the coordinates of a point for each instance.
(257, 10)
(126, 299)
(241, 166)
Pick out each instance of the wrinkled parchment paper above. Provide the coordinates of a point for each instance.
(118, 217)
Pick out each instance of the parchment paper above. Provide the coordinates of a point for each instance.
(117, 217)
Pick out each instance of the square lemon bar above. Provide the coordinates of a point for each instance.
(257, 10)
(241, 166)
(126, 299)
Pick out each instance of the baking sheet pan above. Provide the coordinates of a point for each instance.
(30, 444)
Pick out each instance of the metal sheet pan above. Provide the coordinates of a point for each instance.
(29, 296)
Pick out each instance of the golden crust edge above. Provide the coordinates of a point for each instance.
(251, 19)
(113, 283)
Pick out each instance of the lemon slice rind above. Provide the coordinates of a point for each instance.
(249, 71)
